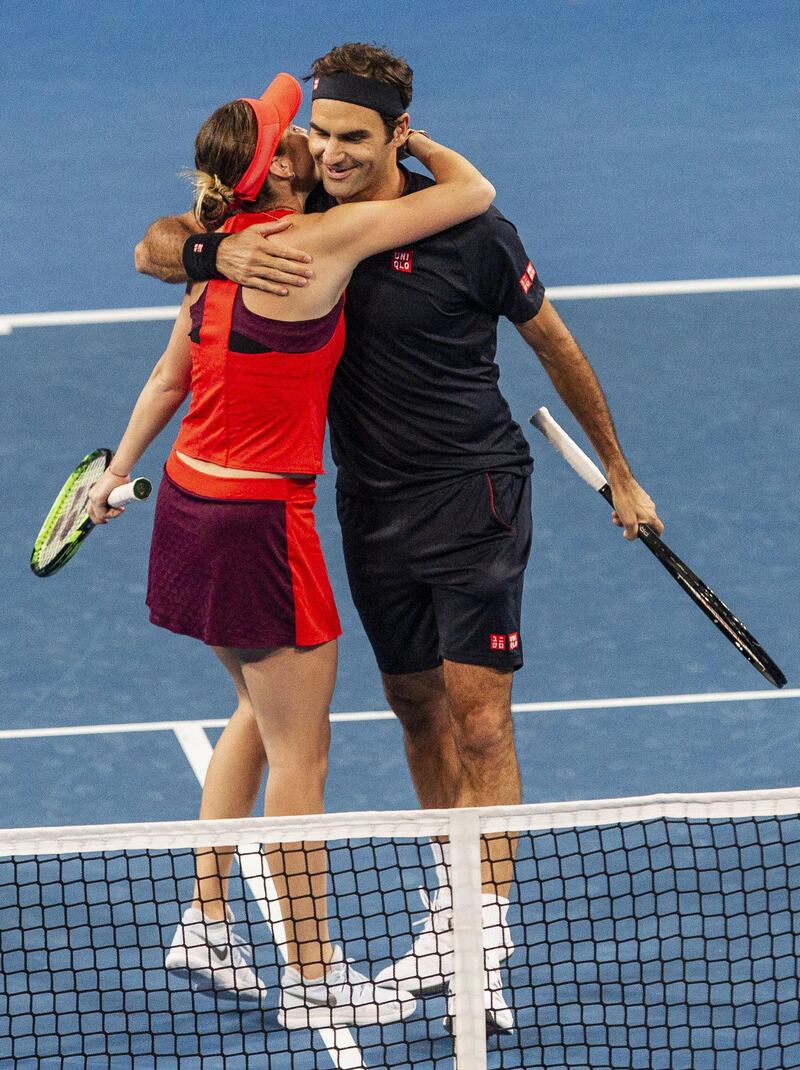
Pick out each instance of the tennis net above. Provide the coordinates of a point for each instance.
(661, 933)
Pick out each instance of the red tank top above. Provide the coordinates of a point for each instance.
(263, 412)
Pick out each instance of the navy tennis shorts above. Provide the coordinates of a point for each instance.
(440, 575)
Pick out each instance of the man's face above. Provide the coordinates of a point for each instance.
(349, 146)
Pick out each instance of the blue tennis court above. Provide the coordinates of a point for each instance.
(628, 143)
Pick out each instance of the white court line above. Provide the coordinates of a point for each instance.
(595, 291)
(196, 745)
(91, 316)
(675, 287)
(340, 1042)
(637, 702)
(656, 700)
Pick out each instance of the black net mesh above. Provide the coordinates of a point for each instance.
(660, 943)
(663, 945)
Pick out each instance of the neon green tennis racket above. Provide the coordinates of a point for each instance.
(68, 524)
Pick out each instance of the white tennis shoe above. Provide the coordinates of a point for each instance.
(499, 1016)
(427, 968)
(343, 997)
(212, 956)
(497, 947)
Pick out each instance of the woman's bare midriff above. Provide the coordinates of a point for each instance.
(211, 469)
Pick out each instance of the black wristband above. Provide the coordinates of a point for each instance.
(200, 256)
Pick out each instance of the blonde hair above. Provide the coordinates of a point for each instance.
(213, 199)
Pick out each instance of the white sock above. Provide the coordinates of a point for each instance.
(495, 924)
(441, 859)
(294, 977)
(216, 928)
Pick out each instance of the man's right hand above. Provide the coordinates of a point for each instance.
(254, 257)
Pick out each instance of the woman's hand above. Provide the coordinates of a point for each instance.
(413, 139)
(98, 508)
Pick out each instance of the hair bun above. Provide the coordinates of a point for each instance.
(213, 200)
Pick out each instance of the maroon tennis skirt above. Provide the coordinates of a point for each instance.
(237, 572)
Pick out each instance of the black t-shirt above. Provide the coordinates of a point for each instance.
(415, 400)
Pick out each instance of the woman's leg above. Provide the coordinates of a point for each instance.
(230, 790)
(290, 690)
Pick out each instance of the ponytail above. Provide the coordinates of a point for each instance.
(213, 200)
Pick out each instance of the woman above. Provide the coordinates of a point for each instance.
(235, 559)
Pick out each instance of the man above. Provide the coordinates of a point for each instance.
(433, 488)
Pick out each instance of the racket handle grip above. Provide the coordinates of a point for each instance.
(135, 491)
(585, 467)
(569, 450)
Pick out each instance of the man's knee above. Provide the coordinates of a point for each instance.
(417, 698)
(483, 731)
(479, 700)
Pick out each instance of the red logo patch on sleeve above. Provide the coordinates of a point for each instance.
(527, 277)
(402, 260)
(497, 642)
(513, 641)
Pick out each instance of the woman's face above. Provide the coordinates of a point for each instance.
(294, 145)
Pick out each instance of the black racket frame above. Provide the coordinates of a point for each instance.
(713, 606)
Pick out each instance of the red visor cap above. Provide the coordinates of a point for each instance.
(274, 111)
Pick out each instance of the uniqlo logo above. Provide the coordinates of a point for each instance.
(402, 260)
(504, 642)
(527, 277)
(315, 84)
(198, 247)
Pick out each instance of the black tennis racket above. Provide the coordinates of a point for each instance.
(713, 607)
(67, 524)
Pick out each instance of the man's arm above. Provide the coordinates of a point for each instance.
(252, 257)
(159, 253)
(577, 385)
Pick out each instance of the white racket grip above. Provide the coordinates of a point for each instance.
(569, 450)
(135, 491)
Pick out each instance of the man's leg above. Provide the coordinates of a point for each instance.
(419, 701)
(479, 705)
(459, 743)
(477, 590)
(460, 747)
